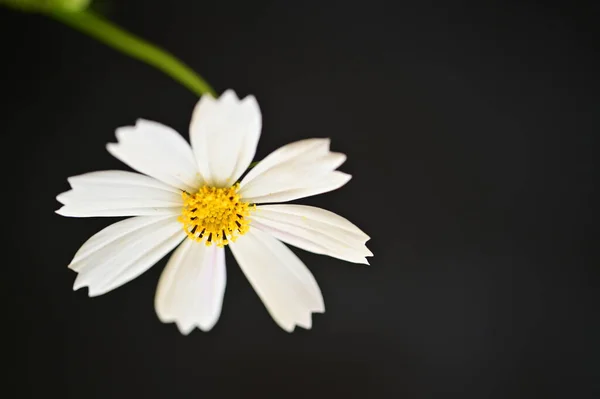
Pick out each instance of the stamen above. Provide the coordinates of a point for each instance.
(219, 212)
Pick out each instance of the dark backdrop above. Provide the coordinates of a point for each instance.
(469, 131)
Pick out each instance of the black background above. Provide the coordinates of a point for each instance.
(469, 131)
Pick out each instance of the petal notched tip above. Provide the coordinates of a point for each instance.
(230, 98)
(186, 329)
(346, 176)
(142, 121)
(63, 211)
(228, 95)
(63, 197)
(120, 133)
(306, 323)
(250, 98)
(112, 148)
(68, 212)
(80, 283)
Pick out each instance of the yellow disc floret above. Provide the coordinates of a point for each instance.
(215, 215)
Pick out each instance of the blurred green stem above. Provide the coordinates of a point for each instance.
(119, 39)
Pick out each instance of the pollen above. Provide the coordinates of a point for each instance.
(215, 215)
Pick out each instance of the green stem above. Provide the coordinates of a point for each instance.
(125, 42)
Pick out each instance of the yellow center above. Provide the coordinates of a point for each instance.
(215, 215)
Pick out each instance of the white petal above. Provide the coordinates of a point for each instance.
(288, 153)
(293, 175)
(158, 151)
(313, 229)
(331, 181)
(118, 193)
(191, 288)
(298, 169)
(312, 214)
(284, 284)
(124, 250)
(93, 211)
(109, 177)
(224, 134)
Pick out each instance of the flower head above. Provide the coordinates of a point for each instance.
(192, 198)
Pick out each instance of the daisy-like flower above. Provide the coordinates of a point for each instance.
(192, 197)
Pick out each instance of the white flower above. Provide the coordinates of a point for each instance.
(191, 197)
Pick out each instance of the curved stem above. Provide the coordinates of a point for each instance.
(125, 42)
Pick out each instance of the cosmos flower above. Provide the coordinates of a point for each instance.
(192, 198)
